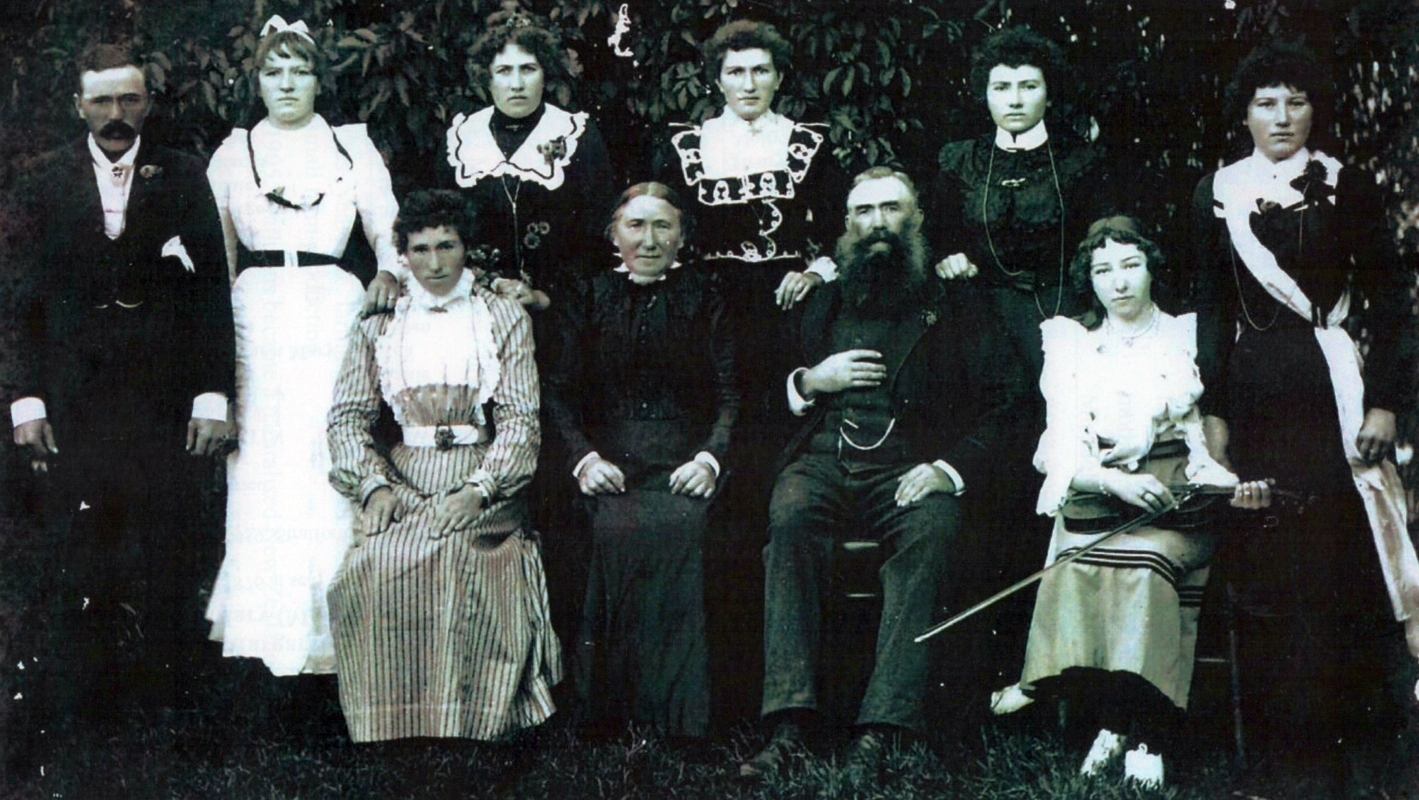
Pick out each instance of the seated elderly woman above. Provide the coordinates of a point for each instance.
(1116, 628)
(439, 610)
(645, 400)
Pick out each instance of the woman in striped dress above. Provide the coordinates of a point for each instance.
(440, 609)
(1115, 630)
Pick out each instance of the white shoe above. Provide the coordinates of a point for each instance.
(1106, 745)
(1144, 767)
(1008, 700)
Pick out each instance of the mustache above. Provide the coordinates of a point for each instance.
(118, 129)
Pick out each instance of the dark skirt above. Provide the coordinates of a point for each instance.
(643, 654)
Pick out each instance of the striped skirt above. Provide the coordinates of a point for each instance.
(445, 637)
(1131, 605)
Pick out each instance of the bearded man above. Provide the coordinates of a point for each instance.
(907, 398)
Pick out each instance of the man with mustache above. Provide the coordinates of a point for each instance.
(125, 363)
(909, 393)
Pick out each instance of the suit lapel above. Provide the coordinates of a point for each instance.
(86, 189)
(907, 333)
(140, 191)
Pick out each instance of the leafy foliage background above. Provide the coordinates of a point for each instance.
(890, 75)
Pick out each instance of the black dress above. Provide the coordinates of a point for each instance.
(1316, 581)
(540, 188)
(1018, 216)
(648, 385)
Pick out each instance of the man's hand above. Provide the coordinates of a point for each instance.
(956, 266)
(206, 437)
(1377, 435)
(922, 480)
(382, 507)
(457, 510)
(850, 369)
(520, 292)
(38, 437)
(383, 291)
(692, 479)
(600, 476)
(794, 287)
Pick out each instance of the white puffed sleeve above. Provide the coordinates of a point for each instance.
(374, 196)
(221, 173)
(1182, 407)
(1065, 444)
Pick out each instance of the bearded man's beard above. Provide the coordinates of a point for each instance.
(882, 273)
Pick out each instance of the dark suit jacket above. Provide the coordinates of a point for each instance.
(109, 373)
(954, 385)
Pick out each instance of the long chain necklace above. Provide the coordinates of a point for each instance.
(985, 223)
(516, 226)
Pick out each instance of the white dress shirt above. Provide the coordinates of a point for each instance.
(115, 180)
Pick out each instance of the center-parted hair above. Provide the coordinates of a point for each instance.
(1018, 47)
(659, 191)
(746, 34)
(433, 208)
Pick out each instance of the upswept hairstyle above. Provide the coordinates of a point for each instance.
(1124, 230)
(1280, 63)
(1018, 46)
(657, 190)
(433, 208)
(512, 25)
(99, 57)
(746, 34)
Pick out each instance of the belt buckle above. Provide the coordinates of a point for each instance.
(443, 437)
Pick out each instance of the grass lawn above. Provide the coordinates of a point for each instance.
(235, 747)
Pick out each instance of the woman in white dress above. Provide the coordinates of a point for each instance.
(290, 191)
(440, 608)
(1115, 630)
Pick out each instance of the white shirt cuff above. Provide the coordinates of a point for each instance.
(796, 403)
(825, 268)
(953, 475)
(707, 458)
(581, 465)
(26, 409)
(210, 405)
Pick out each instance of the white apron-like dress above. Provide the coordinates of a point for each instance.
(1132, 604)
(287, 529)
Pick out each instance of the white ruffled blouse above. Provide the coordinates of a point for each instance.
(1110, 399)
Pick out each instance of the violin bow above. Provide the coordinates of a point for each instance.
(1181, 494)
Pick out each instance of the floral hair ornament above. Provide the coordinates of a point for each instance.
(278, 25)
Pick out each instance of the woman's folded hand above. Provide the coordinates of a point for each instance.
(693, 479)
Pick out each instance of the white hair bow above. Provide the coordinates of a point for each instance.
(276, 25)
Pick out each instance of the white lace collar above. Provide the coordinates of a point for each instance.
(641, 281)
(420, 299)
(1025, 140)
(474, 154)
(734, 147)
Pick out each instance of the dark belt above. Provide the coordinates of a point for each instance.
(247, 259)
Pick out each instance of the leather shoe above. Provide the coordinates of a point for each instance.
(786, 741)
(862, 760)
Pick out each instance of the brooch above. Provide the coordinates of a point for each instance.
(553, 149)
